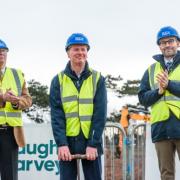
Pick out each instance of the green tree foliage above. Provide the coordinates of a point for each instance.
(130, 87)
(39, 93)
(113, 83)
(120, 88)
(40, 99)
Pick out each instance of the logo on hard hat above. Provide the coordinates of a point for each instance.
(79, 38)
(166, 33)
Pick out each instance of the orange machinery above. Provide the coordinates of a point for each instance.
(134, 114)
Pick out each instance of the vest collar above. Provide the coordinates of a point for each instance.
(69, 72)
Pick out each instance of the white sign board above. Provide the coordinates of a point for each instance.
(38, 159)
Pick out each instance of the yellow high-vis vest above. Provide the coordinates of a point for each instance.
(78, 106)
(160, 111)
(13, 79)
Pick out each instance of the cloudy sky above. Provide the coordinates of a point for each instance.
(122, 34)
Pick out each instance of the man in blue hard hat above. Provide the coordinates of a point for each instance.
(78, 103)
(14, 97)
(160, 89)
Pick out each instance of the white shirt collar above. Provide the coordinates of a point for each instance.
(168, 60)
(3, 70)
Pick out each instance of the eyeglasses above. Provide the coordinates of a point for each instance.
(169, 41)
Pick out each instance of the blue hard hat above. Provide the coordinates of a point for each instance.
(167, 31)
(77, 38)
(3, 45)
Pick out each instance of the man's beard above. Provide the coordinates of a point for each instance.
(169, 52)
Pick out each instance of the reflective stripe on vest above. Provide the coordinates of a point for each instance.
(10, 114)
(14, 80)
(18, 83)
(78, 106)
(168, 101)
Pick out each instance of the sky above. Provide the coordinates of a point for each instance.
(122, 34)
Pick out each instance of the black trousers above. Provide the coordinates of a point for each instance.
(92, 169)
(8, 155)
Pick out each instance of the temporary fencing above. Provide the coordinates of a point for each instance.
(114, 152)
(136, 148)
(124, 153)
